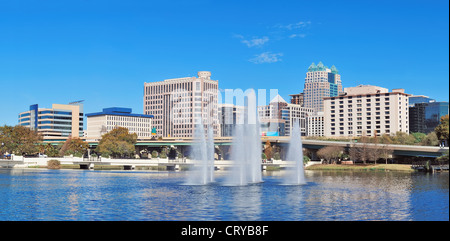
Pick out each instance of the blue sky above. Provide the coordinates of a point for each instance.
(103, 51)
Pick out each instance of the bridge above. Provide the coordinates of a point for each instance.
(225, 142)
(283, 141)
(127, 164)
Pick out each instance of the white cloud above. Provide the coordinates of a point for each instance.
(254, 42)
(266, 57)
(297, 35)
(293, 26)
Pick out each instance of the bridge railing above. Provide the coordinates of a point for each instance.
(92, 159)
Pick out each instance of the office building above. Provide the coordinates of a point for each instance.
(297, 99)
(100, 123)
(320, 82)
(278, 117)
(425, 117)
(413, 99)
(366, 110)
(178, 104)
(315, 124)
(56, 123)
(296, 113)
(228, 116)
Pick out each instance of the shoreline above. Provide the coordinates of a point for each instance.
(316, 167)
(367, 167)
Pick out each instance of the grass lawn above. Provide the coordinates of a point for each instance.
(378, 167)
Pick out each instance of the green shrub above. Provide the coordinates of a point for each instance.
(276, 156)
(53, 164)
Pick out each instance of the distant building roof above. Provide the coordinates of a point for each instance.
(120, 111)
(278, 99)
(321, 67)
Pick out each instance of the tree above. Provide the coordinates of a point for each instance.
(430, 140)
(117, 143)
(404, 138)
(330, 153)
(386, 139)
(386, 152)
(361, 151)
(74, 146)
(19, 140)
(444, 158)
(306, 159)
(50, 150)
(374, 152)
(442, 130)
(268, 150)
(277, 156)
(263, 156)
(418, 137)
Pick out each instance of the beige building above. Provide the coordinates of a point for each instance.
(178, 104)
(103, 122)
(316, 124)
(56, 123)
(366, 110)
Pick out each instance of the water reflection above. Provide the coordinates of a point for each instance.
(246, 202)
(27, 194)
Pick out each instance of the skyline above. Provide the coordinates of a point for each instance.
(104, 51)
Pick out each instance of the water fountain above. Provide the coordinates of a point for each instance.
(246, 148)
(295, 175)
(202, 154)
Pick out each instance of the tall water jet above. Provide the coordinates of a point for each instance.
(295, 175)
(202, 154)
(246, 148)
(210, 154)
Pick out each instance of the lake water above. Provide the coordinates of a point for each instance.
(40, 194)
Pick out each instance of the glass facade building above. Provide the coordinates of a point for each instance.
(55, 124)
(320, 82)
(419, 99)
(424, 117)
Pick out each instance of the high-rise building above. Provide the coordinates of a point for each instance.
(179, 104)
(57, 123)
(103, 122)
(321, 82)
(366, 110)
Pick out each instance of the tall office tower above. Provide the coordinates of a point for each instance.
(57, 123)
(178, 104)
(321, 82)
